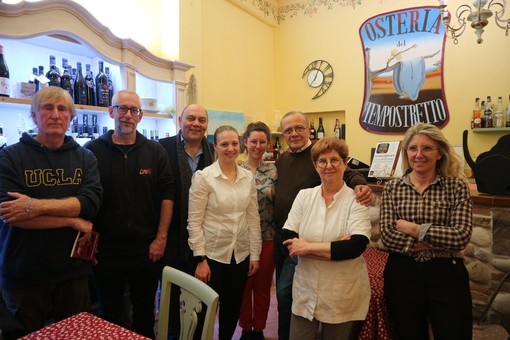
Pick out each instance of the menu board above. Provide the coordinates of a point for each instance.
(387, 162)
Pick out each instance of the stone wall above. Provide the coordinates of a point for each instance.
(487, 259)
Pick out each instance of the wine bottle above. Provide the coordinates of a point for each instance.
(313, 133)
(53, 75)
(43, 80)
(65, 80)
(337, 130)
(487, 113)
(102, 98)
(276, 148)
(89, 80)
(95, 127)
(86, 131)
(5, 88)
(110, 84)
(74, 127)
(320, 129)
(477, 114)
(498, 114)
(35, 74)
(80, 88)
(53, 61)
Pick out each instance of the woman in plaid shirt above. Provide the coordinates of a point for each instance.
(426, 222)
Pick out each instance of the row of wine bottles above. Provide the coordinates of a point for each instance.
(85, 90)
(91, 129)
(320, 132)
(488, 115)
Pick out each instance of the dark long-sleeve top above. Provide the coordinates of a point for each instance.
(135, 179)
(444, 210)
(31, 257)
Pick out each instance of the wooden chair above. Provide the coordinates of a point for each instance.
(193, 293)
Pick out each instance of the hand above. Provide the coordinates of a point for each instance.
(420, 246)
(17, 210)
(82, 225)
(254, 267)
(203, 272)
(363, 194)
(157, 248)
(408, 228)
(297, 246)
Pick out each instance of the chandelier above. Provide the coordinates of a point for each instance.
(478, 17)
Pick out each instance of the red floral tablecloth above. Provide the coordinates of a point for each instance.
(378, 324)
(83, 326)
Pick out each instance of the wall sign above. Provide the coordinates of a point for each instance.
(403, 70)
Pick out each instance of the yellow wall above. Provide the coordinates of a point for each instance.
(243, 63)
(471, 70)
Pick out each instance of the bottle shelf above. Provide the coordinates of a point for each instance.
(488, 130)
(15, 103)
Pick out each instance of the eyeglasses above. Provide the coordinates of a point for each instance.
(323, 163)
(123, 109)
(298, 129)
(424, 149)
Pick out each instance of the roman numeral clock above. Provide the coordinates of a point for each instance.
(319, 74)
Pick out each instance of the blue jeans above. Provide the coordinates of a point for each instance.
(285, 266)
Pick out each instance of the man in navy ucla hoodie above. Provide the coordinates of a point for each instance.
(49, 190)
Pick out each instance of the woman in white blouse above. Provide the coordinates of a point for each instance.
(328, 230)
(224, 227)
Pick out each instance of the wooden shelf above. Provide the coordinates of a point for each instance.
(487, 130)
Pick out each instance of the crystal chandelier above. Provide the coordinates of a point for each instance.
(478, 16)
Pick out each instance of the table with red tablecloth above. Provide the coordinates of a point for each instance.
(377, 324)
(83, 326)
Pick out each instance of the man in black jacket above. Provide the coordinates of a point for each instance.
(189, 151)
(135, 216)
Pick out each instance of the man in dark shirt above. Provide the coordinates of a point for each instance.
(295, 172)
(135, 216)
(189, 151)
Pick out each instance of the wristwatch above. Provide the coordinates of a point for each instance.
(199, 258)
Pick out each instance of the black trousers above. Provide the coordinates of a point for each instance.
(436, 291)
(142, 280)
(228, 281)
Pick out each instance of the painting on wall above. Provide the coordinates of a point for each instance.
(403, 53)
(219, 118)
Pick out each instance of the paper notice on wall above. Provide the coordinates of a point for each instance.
(387, 162)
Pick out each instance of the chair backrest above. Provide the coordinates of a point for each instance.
(193, 293)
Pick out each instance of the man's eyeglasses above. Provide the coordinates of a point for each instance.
(298, 129)
(123, 109)
(323, 163)
(424, 149)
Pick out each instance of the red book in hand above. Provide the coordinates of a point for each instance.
(84, 247)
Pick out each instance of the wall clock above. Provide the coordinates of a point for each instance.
(319, 74)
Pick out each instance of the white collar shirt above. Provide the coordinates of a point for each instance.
(329, 291)
(223, 217)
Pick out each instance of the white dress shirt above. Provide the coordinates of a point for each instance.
(223, 217)
(329, 291)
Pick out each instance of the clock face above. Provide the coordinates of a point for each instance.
(319, 75)
(315, 78)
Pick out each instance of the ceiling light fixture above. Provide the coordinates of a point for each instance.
(478, 16)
